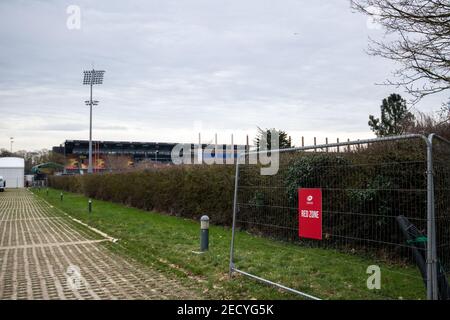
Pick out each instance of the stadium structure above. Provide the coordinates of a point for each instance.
(114, 155)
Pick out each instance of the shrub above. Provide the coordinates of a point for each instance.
(185, 191)
(363, 191)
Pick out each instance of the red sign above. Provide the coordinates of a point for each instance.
(310, 213)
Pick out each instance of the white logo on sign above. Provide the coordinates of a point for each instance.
(309, 198)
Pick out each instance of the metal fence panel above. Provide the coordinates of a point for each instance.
(441, 205)
(375, 214)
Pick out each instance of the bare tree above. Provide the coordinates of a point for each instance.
(429, 123)
(117, 162)
(148, 164)
(421, 45)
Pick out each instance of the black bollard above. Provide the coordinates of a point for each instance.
(204, 235)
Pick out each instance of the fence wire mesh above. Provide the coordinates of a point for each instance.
(374, 215)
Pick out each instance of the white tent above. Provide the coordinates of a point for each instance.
(13, 171)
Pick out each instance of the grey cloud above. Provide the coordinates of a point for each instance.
(296, 65)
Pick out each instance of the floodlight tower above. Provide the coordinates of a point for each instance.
(92, 77)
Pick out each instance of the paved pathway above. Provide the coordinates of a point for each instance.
(45, 255)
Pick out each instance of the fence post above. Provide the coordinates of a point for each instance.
(247, 146)
(233, 226)
(432, 289)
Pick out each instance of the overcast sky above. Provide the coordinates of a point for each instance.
(174, 68)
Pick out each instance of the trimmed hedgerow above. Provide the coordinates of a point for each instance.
(363, 191)
(185, 191)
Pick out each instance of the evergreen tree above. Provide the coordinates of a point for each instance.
(395, 117)
(263, 138)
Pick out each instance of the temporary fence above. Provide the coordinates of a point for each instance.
(353, 220)
(441, 205)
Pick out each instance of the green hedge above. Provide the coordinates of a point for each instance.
(186, 191)
(364, 190)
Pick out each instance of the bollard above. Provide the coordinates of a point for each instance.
(47, 191)
(61, 196)
(204, 235)
(90, 205)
